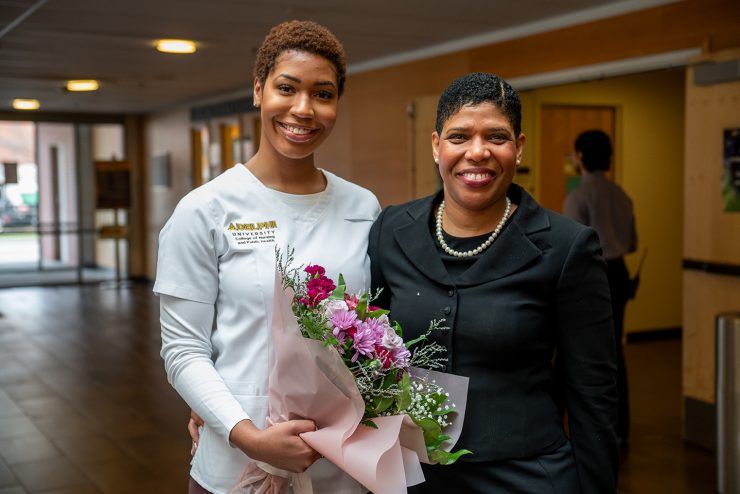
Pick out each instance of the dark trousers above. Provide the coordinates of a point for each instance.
(549, 473)
(619, 286)
(195, 488)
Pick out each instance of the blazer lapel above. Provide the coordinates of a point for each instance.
(513, 249)
(417, 243)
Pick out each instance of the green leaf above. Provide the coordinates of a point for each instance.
(431, 429)
(389, 378)
(404, 395)
(362, 307)
(444, 458)
(383, 404)
(338, 293)
(437, 443)
(413, 342)
(378, 312)
(369, 423)
(445, 411)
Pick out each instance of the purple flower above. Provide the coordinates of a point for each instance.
(401, 356)
(341, 321)
(377, 327)
(365, 340)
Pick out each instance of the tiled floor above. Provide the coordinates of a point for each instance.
(84, 403)
(85, 406)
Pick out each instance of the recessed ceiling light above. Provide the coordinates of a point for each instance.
(83, 85)
(26, 104)
(176, 46)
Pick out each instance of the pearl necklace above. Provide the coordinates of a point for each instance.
(479, 249)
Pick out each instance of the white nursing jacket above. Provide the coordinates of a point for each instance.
(218, 250)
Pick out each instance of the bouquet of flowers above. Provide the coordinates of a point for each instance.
(340, 362)
(374, 351)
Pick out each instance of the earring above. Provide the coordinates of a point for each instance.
(518, 162)
(436, 160)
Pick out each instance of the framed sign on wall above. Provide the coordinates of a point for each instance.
(113, 184)
(731, 172)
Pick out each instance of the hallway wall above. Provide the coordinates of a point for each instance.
(166, 133)
(648, 163)
(711, 235)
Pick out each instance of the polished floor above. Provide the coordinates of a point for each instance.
(85, 406)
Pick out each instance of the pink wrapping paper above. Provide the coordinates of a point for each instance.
(309, 380)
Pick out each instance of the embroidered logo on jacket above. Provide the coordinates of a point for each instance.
(262, 232)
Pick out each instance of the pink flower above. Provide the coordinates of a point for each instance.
(352, 301)
(341, 322)
(377, 327)
(317, 289)
(395, 346)
(391, 340)
(385, 356)
(401, 356)
(333, 306)
(315, 271)
(365, 340)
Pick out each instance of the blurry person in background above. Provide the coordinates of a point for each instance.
(604, 206)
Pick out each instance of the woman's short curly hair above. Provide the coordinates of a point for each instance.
(306, 36)
(477, 88)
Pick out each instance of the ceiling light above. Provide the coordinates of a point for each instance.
(176, 46)
(83, 85)
(26, 104)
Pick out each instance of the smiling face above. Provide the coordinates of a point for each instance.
(298, 104)
(477, 152)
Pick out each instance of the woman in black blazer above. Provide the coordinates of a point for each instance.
(520, 287)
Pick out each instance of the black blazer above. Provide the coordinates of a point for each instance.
(540, 289)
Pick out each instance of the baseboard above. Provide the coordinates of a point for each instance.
(654, 334)
(700, 423)
(140, 280)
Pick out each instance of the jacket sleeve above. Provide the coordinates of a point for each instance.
(587, 356)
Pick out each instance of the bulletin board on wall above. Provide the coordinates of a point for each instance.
(113, 184)
(731, 172)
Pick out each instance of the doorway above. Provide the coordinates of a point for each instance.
(50, 229)
(560, 126)
(19, 239)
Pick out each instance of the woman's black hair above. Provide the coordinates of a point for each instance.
(477, 88)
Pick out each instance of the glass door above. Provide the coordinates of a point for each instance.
(19, 238)
(51, 220)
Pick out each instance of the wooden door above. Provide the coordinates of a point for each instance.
(424, 173)
(559, 127)
(229, 135)
(197, 157)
